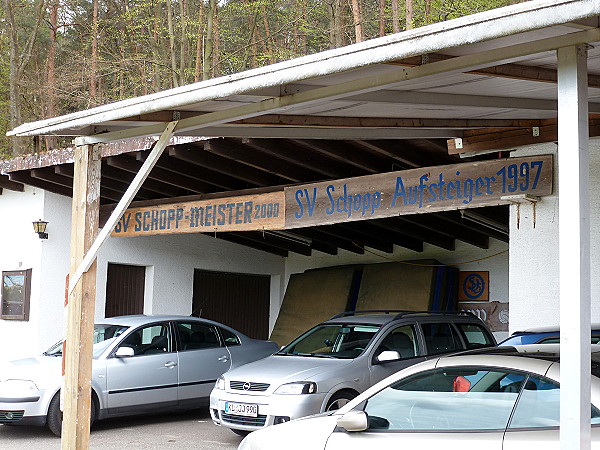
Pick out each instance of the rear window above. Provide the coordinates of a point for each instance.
(475, 335)
(440, 338)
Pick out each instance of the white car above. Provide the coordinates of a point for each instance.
(501, 398)
(140, 364)
(336, 360)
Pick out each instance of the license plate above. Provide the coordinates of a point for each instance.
(241, 409)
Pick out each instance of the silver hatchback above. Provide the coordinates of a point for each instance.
(335, 361)
(140, 364)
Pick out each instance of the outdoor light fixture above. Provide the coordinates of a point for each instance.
(39, 226)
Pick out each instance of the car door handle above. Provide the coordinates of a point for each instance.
(170, 364)
(224, 358)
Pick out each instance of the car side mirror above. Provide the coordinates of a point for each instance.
(124, 352)
(354, 421)
(387, 355)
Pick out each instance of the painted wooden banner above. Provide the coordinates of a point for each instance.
(242, 213)
(414, 191)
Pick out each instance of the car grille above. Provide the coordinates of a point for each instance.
(11, 416)
(248, 386)
(244, 420)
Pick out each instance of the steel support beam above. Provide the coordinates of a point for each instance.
(574, 248)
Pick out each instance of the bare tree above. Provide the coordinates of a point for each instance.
(409, 14)
(20, 56)
(209, 42)
(395, 16)
(357, 15)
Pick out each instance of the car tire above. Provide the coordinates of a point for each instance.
(339, 399)
(242, 433)
(55, 415)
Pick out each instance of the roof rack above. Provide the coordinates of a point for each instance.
(399, 313)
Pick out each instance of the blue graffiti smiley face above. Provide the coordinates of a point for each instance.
(474, 286)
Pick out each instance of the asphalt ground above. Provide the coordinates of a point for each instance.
(185, 430)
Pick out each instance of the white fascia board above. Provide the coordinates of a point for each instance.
(433, 38)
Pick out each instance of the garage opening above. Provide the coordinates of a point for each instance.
(235, 299)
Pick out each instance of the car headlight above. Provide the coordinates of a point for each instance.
(220, 384)
(17, 389)
(298, 387)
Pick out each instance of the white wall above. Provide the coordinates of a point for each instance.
(534, 257)
(20, 249)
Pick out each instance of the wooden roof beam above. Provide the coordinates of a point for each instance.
(406, 228)
(127, 177)
(242, 239)
(107, 183)
(25, 178)
(320, 235)
(202, 174)
(165, 176)
(495, 139)
(260, 160)
(7, 183)
(313, 160)
(197, 156)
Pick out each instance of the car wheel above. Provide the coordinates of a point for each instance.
(339, 399)
(55, 415)
(242, 433)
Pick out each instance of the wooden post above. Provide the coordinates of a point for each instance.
(76, 393)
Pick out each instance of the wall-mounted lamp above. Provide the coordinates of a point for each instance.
(39, 226)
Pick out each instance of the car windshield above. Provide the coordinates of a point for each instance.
(332, 341)
(104, 336)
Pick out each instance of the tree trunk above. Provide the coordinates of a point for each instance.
(267, 42)
(18, 60)
(199, 42)
(395, 16)
(156, 79)
(216, 63)
(381, 17)
(50, 99)
(94, 56)
(427, 11)
(174, 79)
(183, 49)
(409, 15)
(357, 15)
(209, 43)
(336, 24)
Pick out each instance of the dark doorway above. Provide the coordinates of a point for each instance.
(124, 290)
(235, 299)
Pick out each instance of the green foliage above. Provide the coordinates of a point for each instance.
(135, 57)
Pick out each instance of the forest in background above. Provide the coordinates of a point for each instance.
(62, 56)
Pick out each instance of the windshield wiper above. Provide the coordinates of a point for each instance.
(318, 355)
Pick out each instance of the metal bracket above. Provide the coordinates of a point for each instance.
(518, 200)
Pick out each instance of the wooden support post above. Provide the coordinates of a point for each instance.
(76, 393)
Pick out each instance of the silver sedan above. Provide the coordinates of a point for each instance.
(140, 364)
(497, 399)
